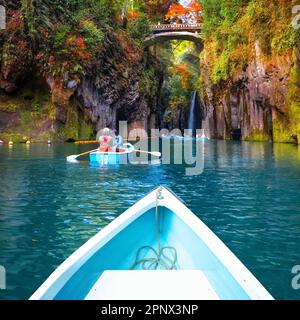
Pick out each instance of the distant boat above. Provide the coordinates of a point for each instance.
(112, 158)
(203, 138)
(183, 259)
(167, 137)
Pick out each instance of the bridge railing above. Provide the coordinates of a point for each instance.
(176, 26)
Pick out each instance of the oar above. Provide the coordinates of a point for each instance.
(155, 153)
(74, 157)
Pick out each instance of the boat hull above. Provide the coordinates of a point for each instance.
(115, 248)
(111, 158)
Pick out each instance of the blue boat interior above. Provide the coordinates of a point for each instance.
(111, 158)
(107, 158)
(120, 254)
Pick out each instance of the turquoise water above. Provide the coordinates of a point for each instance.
(248, 195)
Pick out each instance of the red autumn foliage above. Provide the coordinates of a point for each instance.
(22, 45)
(157, 7)
(44, 32)
(80, 43)
(184, 74)
(176, 11)
(51, 59)
(14, 22)
(180, 69)
(194, 6)
(133, 15)
(70, 41)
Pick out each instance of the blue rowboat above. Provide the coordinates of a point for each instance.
(112, 158)
(157, 249)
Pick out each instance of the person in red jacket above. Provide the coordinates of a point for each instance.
(106, 140)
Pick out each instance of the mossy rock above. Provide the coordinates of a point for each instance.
(12, 136)
(9, 106)
(86, 131)
(258, 136)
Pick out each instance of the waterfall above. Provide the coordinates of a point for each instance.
(195, 118)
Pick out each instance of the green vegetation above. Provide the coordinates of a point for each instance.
(233, 31)
(65, 36)
(181, 72)
(139, 27)
(232, 27)
(8, 106)
(63, 41)
(29, 117)
(257, 136)
(286, 128)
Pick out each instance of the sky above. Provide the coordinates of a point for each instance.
(185, 2)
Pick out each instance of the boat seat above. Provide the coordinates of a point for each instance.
(152, 285)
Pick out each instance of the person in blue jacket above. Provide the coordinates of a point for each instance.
(118, 140)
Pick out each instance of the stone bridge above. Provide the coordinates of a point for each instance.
(166, 32)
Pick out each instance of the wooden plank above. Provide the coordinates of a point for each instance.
(152, 285)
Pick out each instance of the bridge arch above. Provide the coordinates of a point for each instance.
(167, 32)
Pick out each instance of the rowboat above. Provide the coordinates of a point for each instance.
(112, 158)
(157, 249)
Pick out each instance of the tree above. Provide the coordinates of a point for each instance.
(190, 13)
(156, 9)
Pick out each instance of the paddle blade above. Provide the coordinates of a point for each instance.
(156, 154)
(72, 158)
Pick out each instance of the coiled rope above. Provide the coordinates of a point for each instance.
(164, 258)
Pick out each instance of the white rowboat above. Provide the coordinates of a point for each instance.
(157, 249)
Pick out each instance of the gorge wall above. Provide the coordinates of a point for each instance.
(257, 104)
(123, 84)
(250, 71)
(75, 78)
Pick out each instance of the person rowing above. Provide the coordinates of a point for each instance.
(106, 140)
(118, 141)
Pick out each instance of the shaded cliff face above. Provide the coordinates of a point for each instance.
(255, 104)
(68, 69)
(122, 84)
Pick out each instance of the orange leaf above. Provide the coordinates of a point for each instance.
(133, 15)
(175, 10)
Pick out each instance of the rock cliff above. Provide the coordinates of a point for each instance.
(122, 83)
(257, 103)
